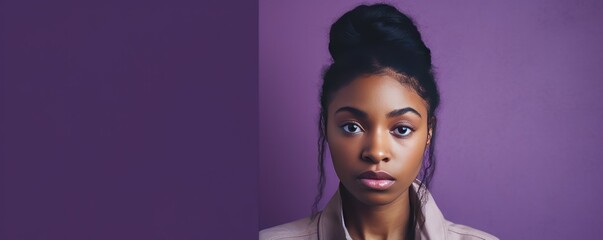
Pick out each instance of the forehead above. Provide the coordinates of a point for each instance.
(377, 94)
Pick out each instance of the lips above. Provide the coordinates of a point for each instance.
(380, 180)
(380, 175)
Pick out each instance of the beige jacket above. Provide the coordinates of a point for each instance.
(329, 225)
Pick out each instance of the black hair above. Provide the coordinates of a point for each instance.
(377, 39)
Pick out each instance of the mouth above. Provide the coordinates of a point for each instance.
(379, 180)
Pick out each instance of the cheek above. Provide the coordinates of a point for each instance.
(411, 155)
(344, 152)
(416, 148)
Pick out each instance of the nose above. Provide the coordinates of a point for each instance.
(377, 147)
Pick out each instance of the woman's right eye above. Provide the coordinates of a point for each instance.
(351, 128)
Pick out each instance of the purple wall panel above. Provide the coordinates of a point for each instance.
(519, 137)
(129, 120)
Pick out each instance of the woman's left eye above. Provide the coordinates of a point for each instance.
(402, 131)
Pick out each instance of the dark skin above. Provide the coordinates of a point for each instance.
(377, 123)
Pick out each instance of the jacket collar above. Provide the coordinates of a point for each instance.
(331, 224)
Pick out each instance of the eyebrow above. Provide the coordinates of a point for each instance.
(361, 114)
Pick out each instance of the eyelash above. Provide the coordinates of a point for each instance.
(343, 127)
(408, 129)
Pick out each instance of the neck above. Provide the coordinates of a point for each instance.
(388, 221)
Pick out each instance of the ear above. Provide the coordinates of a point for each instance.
(429, 132)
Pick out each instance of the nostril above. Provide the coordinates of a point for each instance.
(368, 158)
(374, 158)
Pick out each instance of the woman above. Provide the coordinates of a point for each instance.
(378, 117)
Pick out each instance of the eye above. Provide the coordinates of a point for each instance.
(351, 128)
(402, 131)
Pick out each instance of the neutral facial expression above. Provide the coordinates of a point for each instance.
(377, 125)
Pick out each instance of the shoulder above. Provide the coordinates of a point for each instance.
(303, 228)
(462, 232)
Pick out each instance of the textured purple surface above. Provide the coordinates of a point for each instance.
(129, 120)
(520, 131)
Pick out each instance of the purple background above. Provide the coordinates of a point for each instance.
(520, 131)
(129, 120)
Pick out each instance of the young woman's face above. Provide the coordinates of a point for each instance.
(377, 134)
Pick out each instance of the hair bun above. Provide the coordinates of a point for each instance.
(378, 25)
